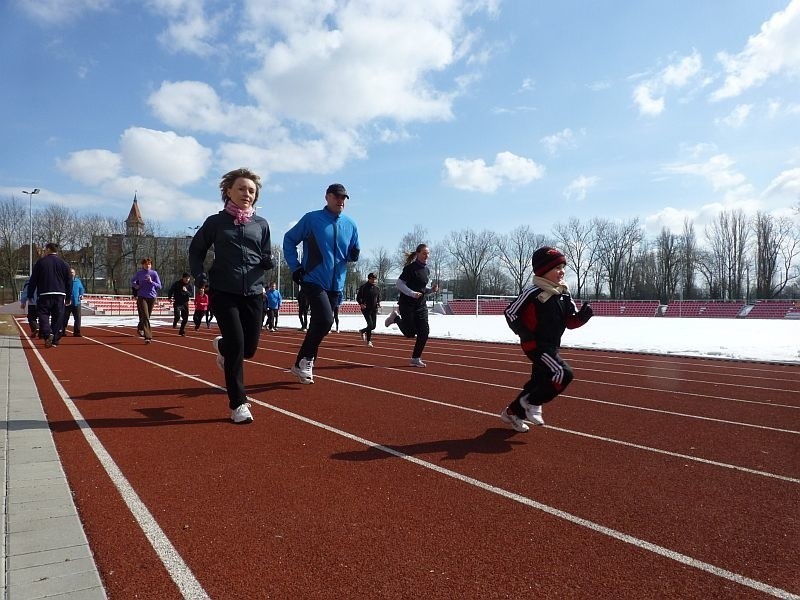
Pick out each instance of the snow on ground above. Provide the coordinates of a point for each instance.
(774, 340)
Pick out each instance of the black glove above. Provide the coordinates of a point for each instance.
(201, 280)
(297, 276)
(585, 313)
(267, 263)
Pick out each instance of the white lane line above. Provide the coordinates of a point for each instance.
(177, 568)
(482, 412)
(581, 522)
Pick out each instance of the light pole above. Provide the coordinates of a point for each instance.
(30, 232)
(279, 270)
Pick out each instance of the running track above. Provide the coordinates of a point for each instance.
(656, 477)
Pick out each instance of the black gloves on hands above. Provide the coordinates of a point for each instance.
(585, 313)
(297, 276)
(267, 263)
(201, 281)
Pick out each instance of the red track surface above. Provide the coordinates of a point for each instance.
(656, 477)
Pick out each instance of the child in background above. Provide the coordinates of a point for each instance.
(200, 306)
(539, 316)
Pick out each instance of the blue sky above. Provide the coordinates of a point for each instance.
(447, 114)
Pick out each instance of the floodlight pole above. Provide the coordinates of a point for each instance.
(30, 231)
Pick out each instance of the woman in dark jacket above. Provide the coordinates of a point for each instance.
(413, 286)
(242, 253)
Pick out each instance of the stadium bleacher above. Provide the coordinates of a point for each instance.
(707, 309)
(775, 309)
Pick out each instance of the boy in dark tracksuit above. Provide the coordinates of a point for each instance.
(539, 316)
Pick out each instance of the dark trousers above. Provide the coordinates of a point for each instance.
(239, 321)
(321, 303)
(302, 310)
(371, 316)
(33, 318)
(180, 313)
(413, 321)
(73, 310)
(198, 318)
(144, 306)
(550, 376)
(272, 318)
(50, 310)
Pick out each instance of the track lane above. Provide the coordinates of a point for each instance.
(269, 381)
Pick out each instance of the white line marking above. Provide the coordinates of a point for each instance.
(178, 570)
(612, 533)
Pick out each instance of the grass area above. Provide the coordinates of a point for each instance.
(7, 326)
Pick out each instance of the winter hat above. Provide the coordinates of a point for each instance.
(546, 258)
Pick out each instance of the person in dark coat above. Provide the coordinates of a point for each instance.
(51, 280)
(413, 304)
(180, 292)
(539, 316)
(368, 297)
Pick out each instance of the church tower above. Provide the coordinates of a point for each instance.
(134, 224)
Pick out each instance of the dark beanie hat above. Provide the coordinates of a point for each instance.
(546, 258)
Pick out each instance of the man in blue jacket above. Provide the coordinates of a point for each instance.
(74, 307)
(52, 281)
(330, 241)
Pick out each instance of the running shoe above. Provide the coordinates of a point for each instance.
(241, 414)
(532, 411)
(304, 371)
(220, 358)
(518, 424)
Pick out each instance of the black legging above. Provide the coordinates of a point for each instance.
(413, 321)
(371, 316)
(321, 303)
(239, 322)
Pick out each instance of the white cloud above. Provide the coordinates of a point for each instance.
(360, 63)
(562, 139)
(649, 95)
(164, 155)
(91, 167)
(477, 176)
(578, 187)
(737, 116)
(775, 49)
(56, 12)
(195, 106)
(717, 170)
(189, 28)
(786, 184)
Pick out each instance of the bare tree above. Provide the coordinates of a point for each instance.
(727, 237)
(408, 243)
(380, 263)
(578, 241)
(777, 247)
(667, 264)
(14, 228)
(514, 251)
(689, 257)
(472, 252)
(618, 245)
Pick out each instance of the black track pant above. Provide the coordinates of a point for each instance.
(321, 303)
(413, 322)
(239, 321)
(550, 376)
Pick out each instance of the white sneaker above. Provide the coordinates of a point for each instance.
(304, 371)
(220, 358)
(391, 318)
(241, 414)
(417, 362)
(513, 420)
(363, 335)
(532, 411)
(369, 344)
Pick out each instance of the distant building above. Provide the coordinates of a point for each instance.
(117, 256)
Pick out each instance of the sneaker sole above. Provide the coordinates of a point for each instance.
(301, 378)
(507, 420)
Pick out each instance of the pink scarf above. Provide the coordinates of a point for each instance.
(240, 215)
